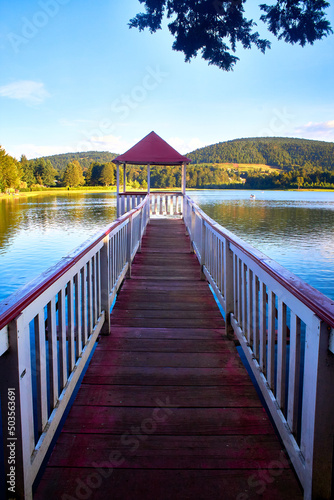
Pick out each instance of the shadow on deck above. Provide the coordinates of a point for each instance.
(166, 408)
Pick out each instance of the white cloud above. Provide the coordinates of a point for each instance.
(106, 143)
(317, 130)
(117, 144)
(112, 143)
(34, 151)
(185, 146)
(27, 91)
(64, 122)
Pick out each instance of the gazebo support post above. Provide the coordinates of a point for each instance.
(117, 190)
(183, 187)
(148, 178)
(124, 177)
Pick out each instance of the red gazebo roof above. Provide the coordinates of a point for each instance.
(152, 150)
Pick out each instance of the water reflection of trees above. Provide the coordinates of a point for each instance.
(49, 212)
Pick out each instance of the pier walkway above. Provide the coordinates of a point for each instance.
(166, 409)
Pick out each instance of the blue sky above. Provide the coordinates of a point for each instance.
(74, 77)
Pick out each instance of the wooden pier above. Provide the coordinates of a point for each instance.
(166, 408)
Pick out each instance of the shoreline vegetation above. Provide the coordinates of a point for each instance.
(112, 190)
(255, 164)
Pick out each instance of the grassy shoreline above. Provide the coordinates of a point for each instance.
(25, 194)
(96, 189)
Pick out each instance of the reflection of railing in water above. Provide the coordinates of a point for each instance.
(266, 307)
(162, 202)
(262, 301)
(60, 314)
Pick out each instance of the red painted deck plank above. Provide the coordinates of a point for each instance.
(160, 451)
(167, 345)
(179, 377)
(166, 333)
(166, 408)
(166, 484)
(163, 359)
(184, 397)
(180, 422)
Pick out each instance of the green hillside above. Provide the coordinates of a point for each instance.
(59, 162)
(280, 152)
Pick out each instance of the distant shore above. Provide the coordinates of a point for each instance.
(112, 189)
(25, 194)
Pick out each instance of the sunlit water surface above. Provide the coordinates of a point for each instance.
(294, 228)
(36, 232)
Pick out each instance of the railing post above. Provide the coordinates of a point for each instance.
(149, 206)
(140, 229)
(192, 230)
(318, 411)
(203, 245)
(228, 287)
(105, 284)
(17, 411)
(123, 204)
(129, 246)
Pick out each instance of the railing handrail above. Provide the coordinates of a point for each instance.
(152, 191)
(10, 308)
(319, 303)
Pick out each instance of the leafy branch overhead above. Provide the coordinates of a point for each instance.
(215, 27)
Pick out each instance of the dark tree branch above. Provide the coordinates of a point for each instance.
(216, 27)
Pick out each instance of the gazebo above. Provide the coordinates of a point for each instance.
(151, 150)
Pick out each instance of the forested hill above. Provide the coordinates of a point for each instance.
(60, 162)
(278, 152)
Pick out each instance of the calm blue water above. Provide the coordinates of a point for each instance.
(36, 232)
(294, 228)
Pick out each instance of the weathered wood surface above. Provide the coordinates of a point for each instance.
(166, 409)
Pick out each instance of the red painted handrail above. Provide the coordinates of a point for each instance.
(17, 307)
(139, 193)
(316, 301)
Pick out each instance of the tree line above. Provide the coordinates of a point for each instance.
(301, 164)
(28, 175)
(294, 179)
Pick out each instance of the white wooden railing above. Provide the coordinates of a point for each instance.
(162, 202)
(285, 328)
(47, 333)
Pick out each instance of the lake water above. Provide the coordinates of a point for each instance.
(294, 228)
(36, 232)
